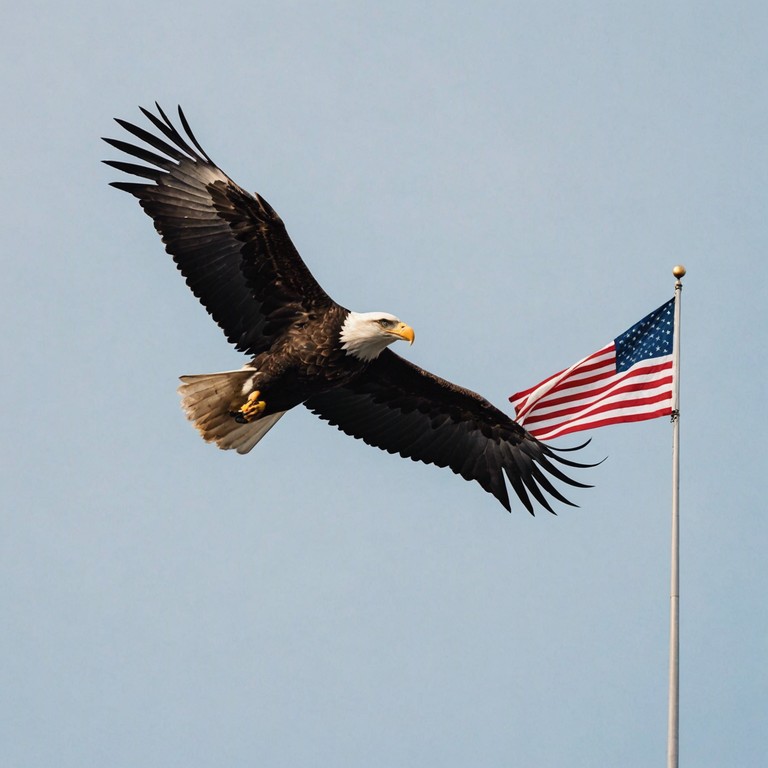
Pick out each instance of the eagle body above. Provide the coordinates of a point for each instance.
(305, 360)
(308, 358)
(303, 348)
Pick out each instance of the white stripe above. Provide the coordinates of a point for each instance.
(524, 405)
(586, 421)
(576, 395)
(540, 418)
(634, 372)
(584, 398)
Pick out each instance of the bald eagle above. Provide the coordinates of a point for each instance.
(305, 349)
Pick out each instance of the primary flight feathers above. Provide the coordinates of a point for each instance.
(237, 258)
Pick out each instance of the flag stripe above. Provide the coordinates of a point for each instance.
(627, 380)
(528, 398)
(620, 418)
(626, 399)
(636, 378)
(620, 395)
(605, 351)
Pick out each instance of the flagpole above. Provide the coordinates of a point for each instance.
(674, 592)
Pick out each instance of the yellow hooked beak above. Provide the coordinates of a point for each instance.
(404, 332)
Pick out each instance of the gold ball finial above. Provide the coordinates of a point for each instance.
(678, 271)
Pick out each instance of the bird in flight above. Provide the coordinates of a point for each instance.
(305, 349)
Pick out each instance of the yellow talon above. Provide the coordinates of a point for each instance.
(251, 409)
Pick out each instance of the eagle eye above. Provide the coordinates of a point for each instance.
(384, 323)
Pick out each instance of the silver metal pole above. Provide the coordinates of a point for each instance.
(673, 733)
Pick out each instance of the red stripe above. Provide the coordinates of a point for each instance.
(618, 407)
(572, 374)
(594, 394)
(548, 434)
(576, 366)
(638, 370)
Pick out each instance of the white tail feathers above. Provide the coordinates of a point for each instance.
(207, 399)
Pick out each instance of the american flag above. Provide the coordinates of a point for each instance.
(629, 379)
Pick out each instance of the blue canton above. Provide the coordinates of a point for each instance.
(651, 337)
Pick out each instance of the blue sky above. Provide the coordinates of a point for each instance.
(516, 180)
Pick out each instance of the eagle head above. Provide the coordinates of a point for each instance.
(367, 334)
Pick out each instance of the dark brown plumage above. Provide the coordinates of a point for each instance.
(237, 258)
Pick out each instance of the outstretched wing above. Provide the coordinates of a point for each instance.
(404, 409)
(231, 246)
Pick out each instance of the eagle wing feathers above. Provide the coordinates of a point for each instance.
(231, 246)
(237, 258)
(401, 408)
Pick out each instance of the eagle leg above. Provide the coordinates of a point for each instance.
(250, 410)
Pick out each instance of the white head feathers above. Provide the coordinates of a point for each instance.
(367, 334)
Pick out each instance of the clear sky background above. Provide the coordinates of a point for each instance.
(514, 179)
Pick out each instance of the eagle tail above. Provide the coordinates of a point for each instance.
(208, 399)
